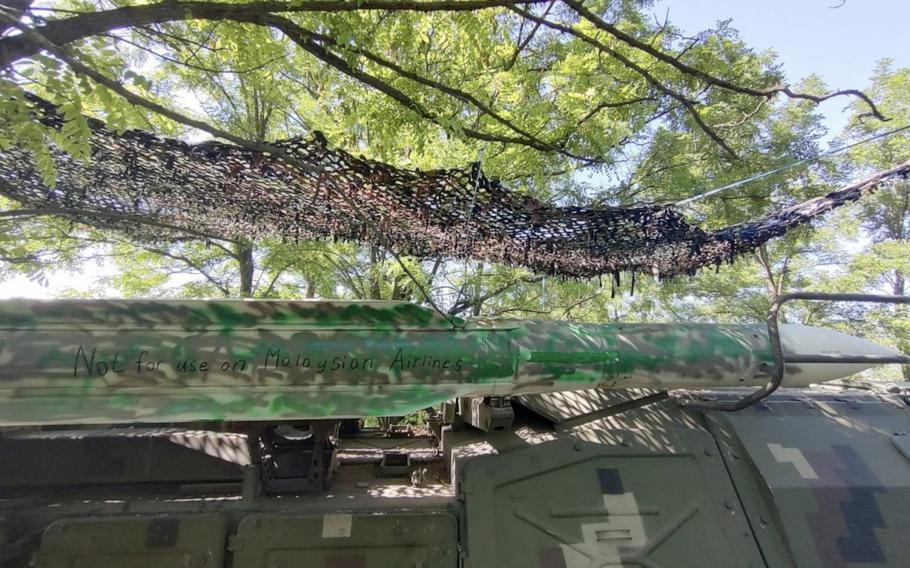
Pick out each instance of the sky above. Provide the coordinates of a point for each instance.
(841, 45)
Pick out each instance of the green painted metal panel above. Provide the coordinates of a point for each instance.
(347, 540)
(828, 478)
(174, 541)
(605, 498)
(117, 456)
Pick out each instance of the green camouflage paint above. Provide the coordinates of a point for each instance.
(113, 361)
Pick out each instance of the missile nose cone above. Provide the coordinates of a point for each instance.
(804, 340)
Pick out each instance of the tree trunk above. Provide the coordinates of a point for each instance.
(375, 259)
(243, 252)
(310, 288)
(477, 308)
(773, 285)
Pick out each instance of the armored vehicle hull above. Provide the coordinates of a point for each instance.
(578, 479)
(557, 445)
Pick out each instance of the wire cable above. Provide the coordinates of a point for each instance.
(779, 169)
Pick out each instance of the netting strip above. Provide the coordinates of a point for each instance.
(229, 191)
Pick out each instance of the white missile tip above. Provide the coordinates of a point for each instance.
(808, 340)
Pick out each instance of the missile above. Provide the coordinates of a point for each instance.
(151, 361)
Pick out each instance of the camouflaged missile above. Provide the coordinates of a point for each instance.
(111, 361)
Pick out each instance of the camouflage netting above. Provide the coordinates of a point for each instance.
(229, 191)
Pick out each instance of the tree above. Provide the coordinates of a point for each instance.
(883, 264)
(514, 75)
(886, 215)
(543, 92)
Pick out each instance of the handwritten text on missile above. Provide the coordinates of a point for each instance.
(92, 362)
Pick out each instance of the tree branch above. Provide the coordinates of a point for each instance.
(191, 264)
(306, 41)
(189, 65)
(712, 79)
(688, 104)
(528, 139)
(67, 30)
(358, 288)
(274, 280)
(524, 43)
(123, 217)
(469, 302)
(618, 104)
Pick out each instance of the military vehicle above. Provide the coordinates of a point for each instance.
(252, 434)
